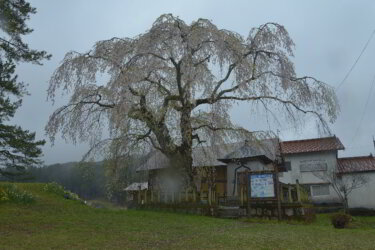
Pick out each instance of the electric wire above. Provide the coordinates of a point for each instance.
(365, 109)
(356, 61)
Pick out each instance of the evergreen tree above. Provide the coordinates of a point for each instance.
(18, 147)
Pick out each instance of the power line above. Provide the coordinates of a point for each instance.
(356, 61)
(364, 111)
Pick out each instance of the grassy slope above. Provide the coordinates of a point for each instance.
(53, 222)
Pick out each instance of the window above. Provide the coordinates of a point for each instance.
(318, 190)
(314, 165)
(287, 166)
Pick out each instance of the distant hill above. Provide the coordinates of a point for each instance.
(90, 180)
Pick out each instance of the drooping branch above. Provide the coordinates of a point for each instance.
(218, 85)
(164, 87)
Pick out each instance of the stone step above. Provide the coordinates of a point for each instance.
(231, 212)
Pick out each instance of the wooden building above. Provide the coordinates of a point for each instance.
(242, 174)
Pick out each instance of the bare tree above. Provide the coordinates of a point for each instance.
(172, 87)
(343, 184)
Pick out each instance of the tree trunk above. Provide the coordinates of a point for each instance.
(182, 163)
(186, 148)
(346, 204)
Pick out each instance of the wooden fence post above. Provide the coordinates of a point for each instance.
(241, 196)
(281, 192)
(290, 199)
(209, 196)
(298, 191)
(278, 191)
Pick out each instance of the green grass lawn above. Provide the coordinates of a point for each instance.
(54, 222)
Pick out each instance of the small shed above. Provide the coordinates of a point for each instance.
(134, 190)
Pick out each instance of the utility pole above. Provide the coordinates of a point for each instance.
(373, 140)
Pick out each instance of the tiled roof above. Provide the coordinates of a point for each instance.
(356, 164)
(311, 145)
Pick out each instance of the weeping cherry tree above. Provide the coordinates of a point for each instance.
(172, 88)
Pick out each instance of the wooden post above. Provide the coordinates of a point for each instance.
(248, 195)
(281, 192)
(298, 191)
(278, 191)
(241, 195)
(290, 193)
(209, 196)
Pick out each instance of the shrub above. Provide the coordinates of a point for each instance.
(11, 193)
(59, 190)
(309, 214)
(341, 220)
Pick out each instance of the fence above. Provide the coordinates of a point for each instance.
(187, 196)
(289, 194)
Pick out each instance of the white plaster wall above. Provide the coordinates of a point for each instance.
(364, 196)
(310, 177)
(331, 198)
(307, 177)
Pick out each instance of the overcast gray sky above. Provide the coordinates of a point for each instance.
(329, 36)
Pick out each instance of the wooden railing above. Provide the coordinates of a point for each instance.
(288, 194)
(188, 196)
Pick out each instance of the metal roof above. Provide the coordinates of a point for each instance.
(265, 150)
(268, 150)
(202, 156)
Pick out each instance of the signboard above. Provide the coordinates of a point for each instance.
(261, 185)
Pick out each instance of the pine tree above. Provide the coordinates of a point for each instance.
(18, 147)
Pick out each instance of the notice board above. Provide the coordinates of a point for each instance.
(261, 185)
